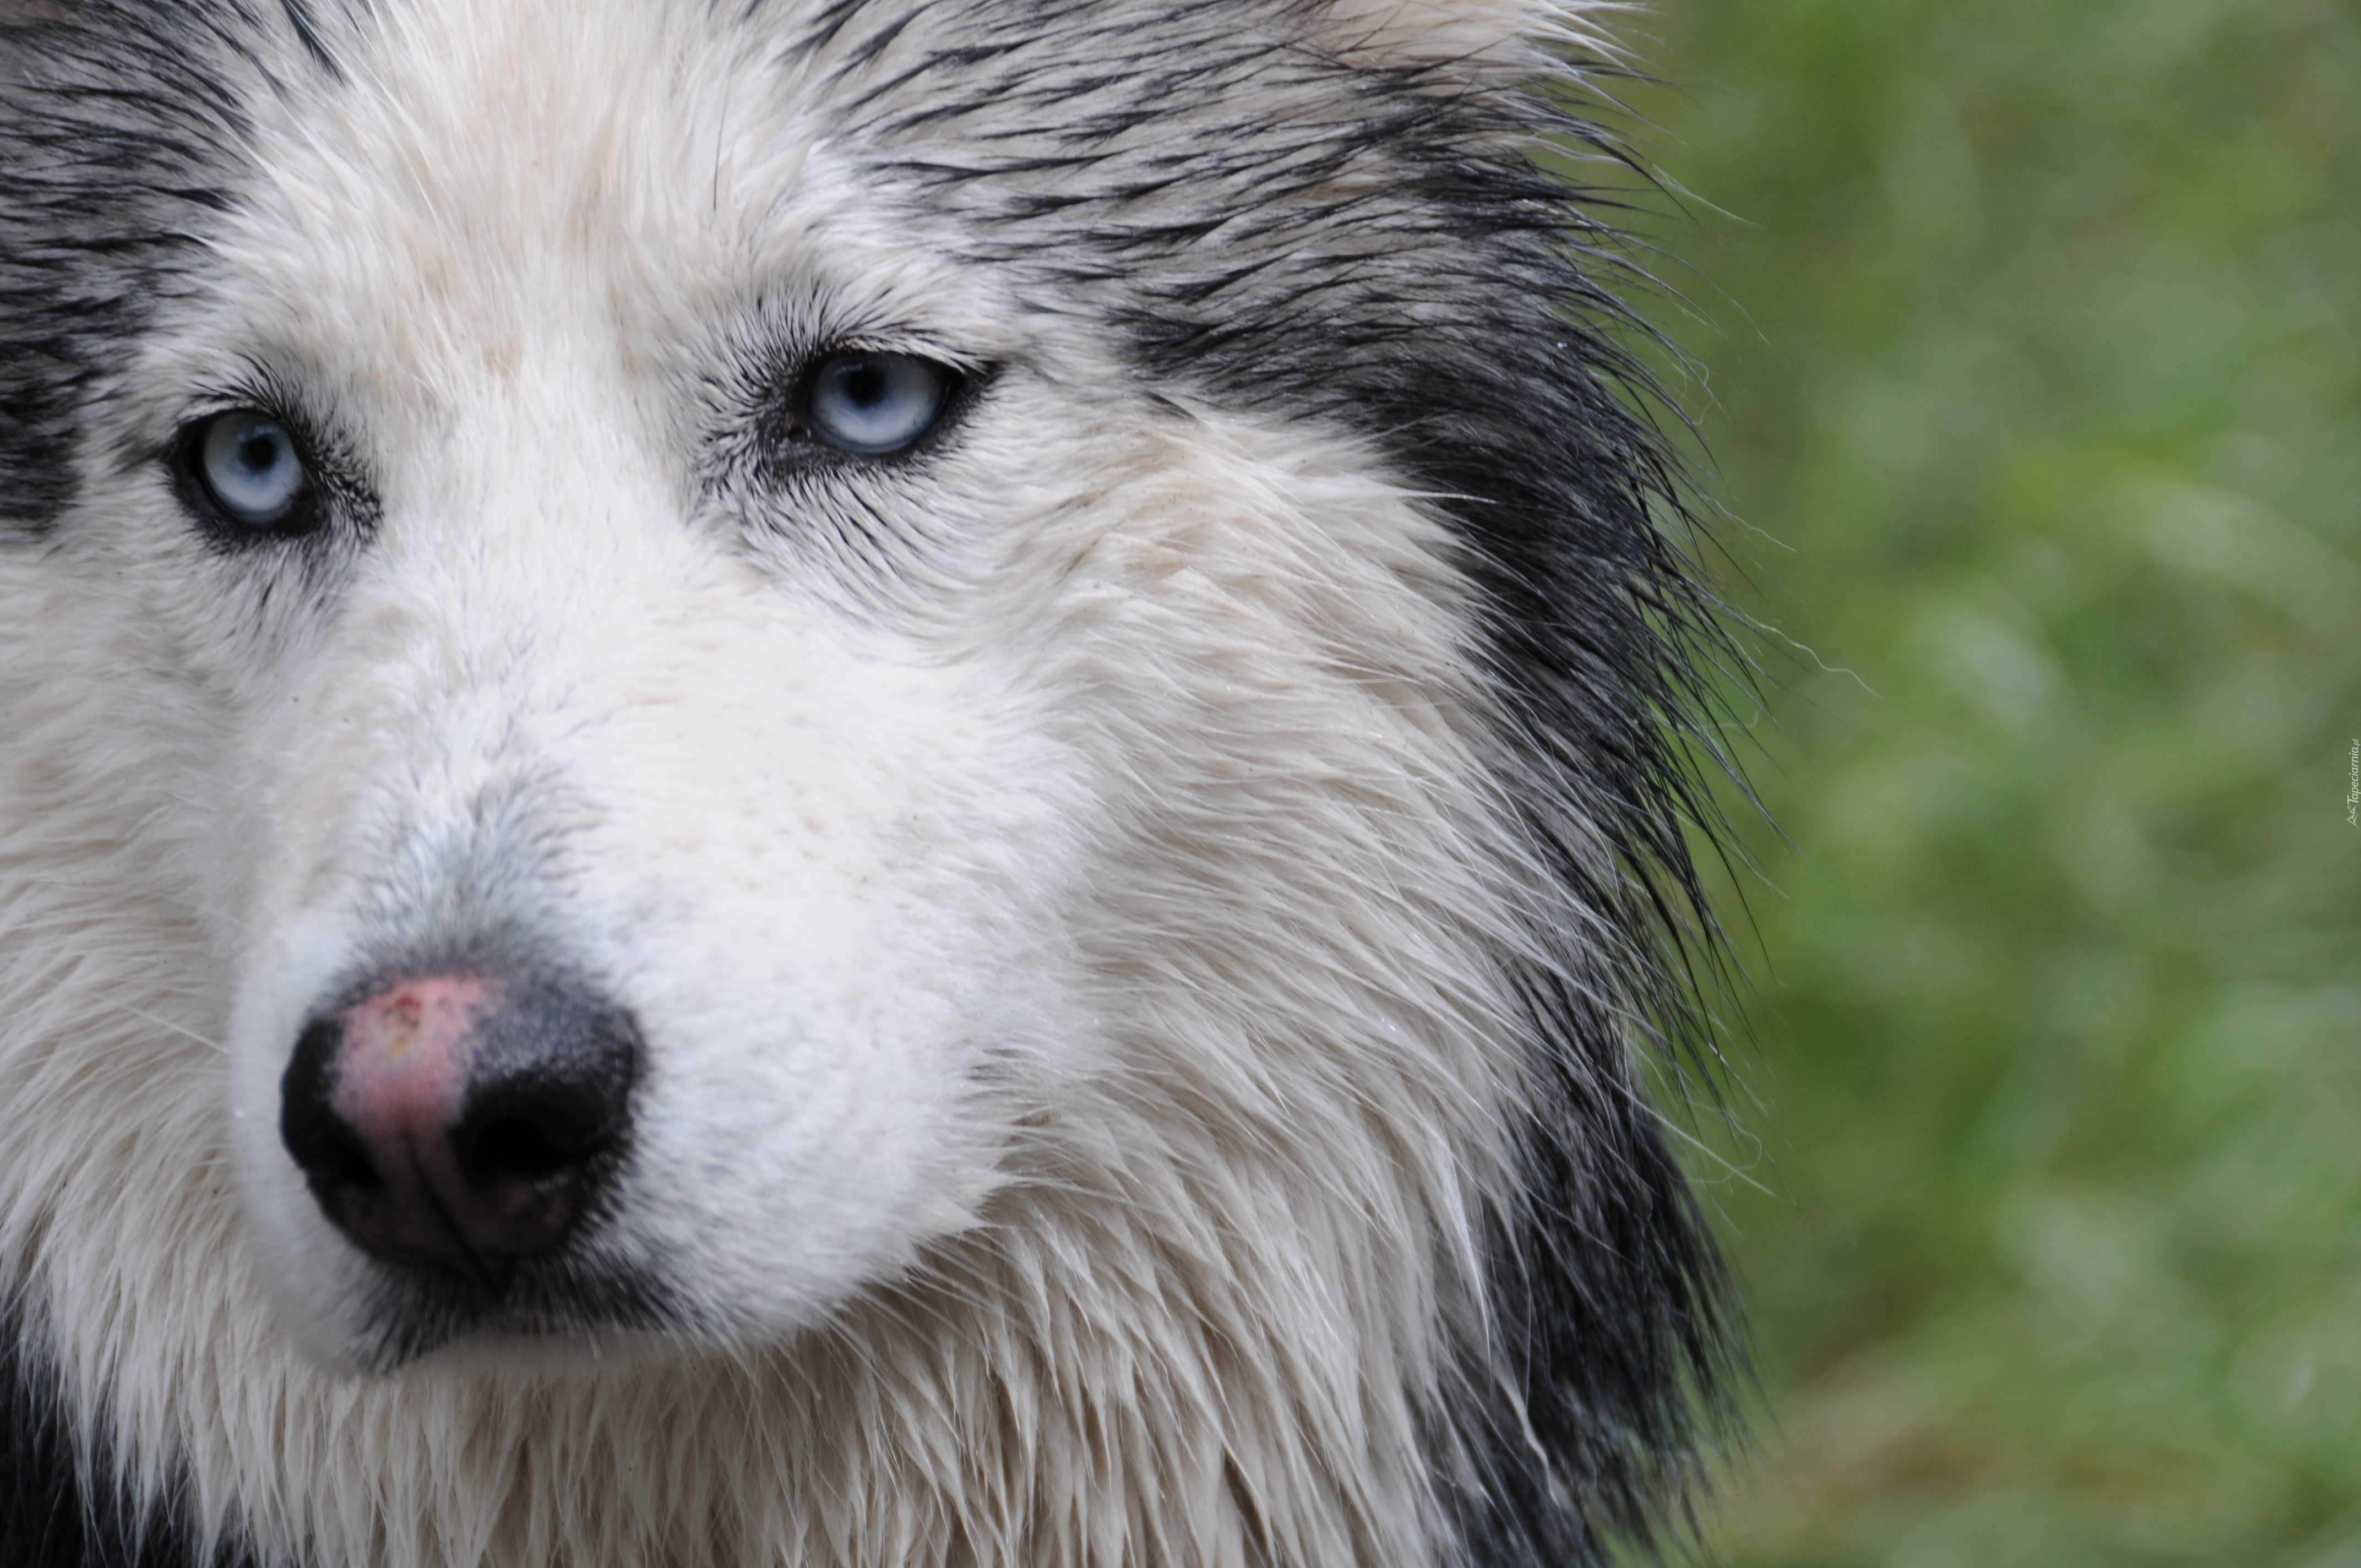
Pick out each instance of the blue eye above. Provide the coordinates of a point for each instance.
(875, 403)
(250, 468)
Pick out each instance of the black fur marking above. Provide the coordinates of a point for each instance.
(48, 1517)
(111, 143)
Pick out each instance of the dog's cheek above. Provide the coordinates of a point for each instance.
(846, 996)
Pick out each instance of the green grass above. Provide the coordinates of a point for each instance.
(2029, 341)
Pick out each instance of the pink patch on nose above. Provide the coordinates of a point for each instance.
(403, 1067)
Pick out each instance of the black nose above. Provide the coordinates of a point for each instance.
(461, 1121)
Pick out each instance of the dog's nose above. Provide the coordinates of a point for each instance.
(461, 1121)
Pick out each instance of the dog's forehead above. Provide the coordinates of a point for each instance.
(475, 181)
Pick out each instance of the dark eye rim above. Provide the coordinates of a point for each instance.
(796, 442)
(304, 517)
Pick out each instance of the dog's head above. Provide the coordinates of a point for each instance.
(758, 657)
(770, 702)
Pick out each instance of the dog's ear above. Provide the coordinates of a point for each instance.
(1481, 35)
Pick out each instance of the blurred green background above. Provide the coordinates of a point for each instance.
(2028, 347)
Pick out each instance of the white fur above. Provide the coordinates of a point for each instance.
(1059, 933)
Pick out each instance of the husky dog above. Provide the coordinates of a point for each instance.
(834, 782)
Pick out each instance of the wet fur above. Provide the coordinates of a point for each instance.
(1214, 822)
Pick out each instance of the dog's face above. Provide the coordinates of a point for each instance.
(893, 775)
(613, 665)
(718, 701)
